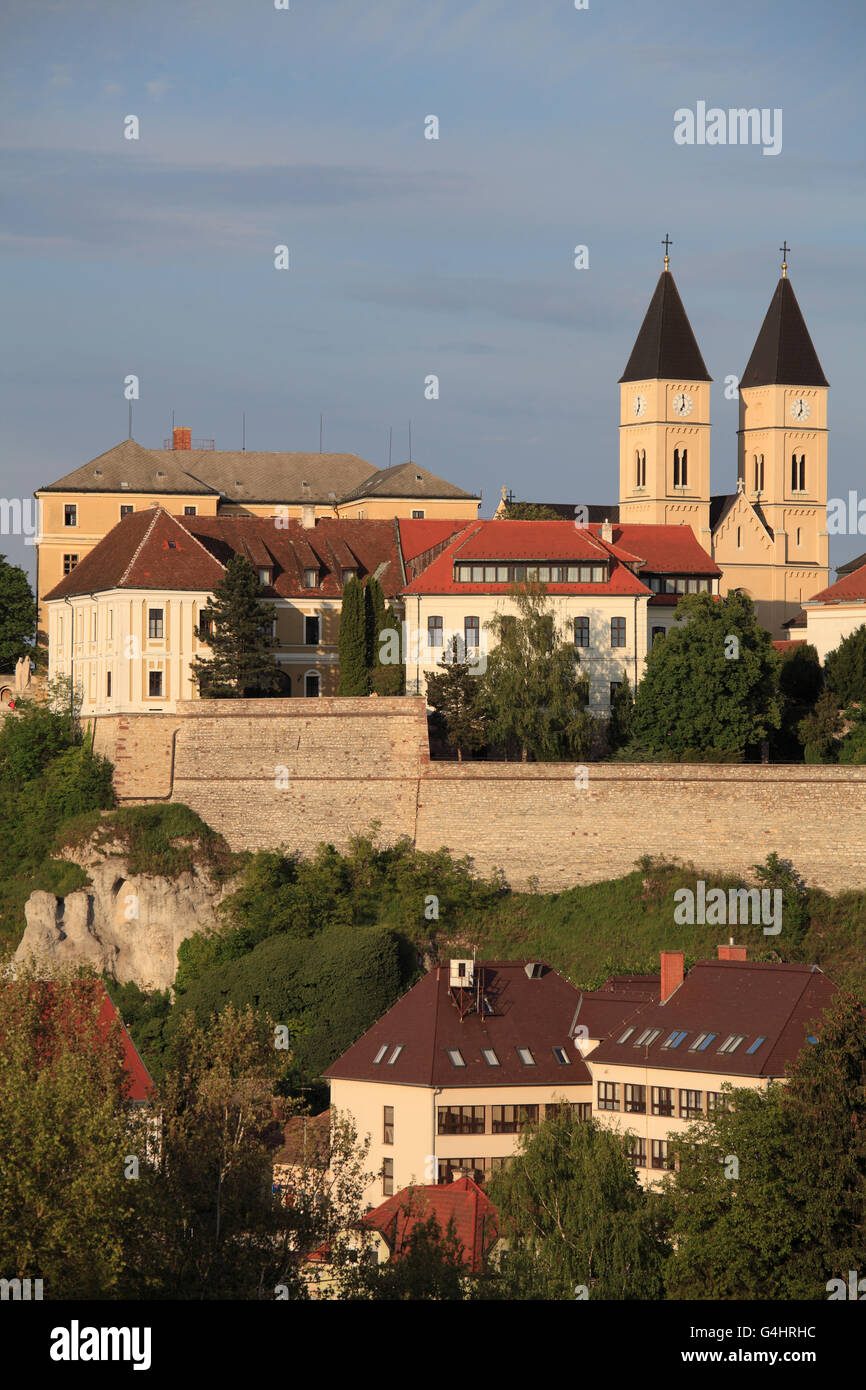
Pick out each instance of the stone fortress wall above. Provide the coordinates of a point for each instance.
(267, 773)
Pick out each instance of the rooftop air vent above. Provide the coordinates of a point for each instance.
(124, 484)
(534, 969)
(461, 974)
(97, 472)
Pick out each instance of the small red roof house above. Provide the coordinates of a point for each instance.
(835, 612)
(462, 1201)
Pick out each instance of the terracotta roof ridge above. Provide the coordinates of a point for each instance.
(148, 530)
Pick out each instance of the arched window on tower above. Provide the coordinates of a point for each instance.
(684, 468)
(759, 472)
(640, 467)
(798, 472)
(739, 538)
(681, 468)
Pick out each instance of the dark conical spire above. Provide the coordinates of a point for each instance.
(666, 348)
(784, 354)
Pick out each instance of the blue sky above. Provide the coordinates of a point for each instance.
(412, 257)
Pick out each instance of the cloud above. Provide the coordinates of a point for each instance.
(157, 88)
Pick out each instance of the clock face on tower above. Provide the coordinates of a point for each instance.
(800, 409)
(639, 406)
(682, 403)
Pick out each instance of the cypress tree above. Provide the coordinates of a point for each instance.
(353, 640)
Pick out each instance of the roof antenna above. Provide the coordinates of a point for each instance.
(390, 436)
(244, 433)
(321, 426)
(410, 441)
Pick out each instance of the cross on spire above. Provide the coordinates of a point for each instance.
(667, 244)
(784, 248)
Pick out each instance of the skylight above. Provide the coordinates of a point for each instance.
(456, 1057)
(561, 1056)
(526, 1056)
(702, 1042)
(648, 1036)
(381, 1053)
(626, 1035)
(810, 1039)
(395, 1054)
(490, 1057)
(755, 1045)
(676, 1037)
(732, 1042)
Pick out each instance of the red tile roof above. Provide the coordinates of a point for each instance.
(665, 549)
(418, 536)
(779, 1003)
(851, 588)
(463, 1201)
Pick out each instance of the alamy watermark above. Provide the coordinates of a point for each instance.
(736, 126)
(738, 907)
(21, 516)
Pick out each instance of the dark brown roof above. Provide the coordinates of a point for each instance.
(306, 1140)
(783, 353)
(146, 550)
(132, 468)
(780, 1003)
(530, 1013)
(666, 348)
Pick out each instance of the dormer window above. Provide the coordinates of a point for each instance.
(265, 574)
(311, 578)
(348, 574)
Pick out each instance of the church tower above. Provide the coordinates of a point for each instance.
(664, 430)
(782, 464)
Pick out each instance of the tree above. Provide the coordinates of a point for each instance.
(801, 680)
(776, 873)
(531, 511)
(619, 726)
(845, 668)
(790, 1212)
(533, 694)
(375, 621)
(712, 684)
(237, 626)
(574, 1215)
(17, 616)
(352, 641)
(819, 732)
(388, 677)
(455, 696)
(426, 1262)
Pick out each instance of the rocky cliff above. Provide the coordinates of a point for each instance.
(129, 925)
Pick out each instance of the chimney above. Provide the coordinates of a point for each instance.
(732, 952)
(308, 516)
(672, 973)
(182, 437)
(607, 531)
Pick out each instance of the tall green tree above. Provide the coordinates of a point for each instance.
(531, 511)
(534, 695)
(17, 616)
(352, 642)
(576, 1218)
(237, 625)
(619, 725)
(375, 620)
(820, 731)
(712, 684)
(454, 692)
(845, 668)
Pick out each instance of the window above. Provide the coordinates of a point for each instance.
(656, 633)
(562, 1056)
(608, 1095)
(640, 468)
(418, 515)
(691, 1104)
(395, 1054)
(626, 1035)
(614, 687)
(70, 514)
(581, 632)
(660, 1154)
(311, 631)
(125, 509)
(526, 1056)
(471, 634)
(490, 1057)
(702, 1042)
(388, 1124)
(637, 1152)
(155, 625)
(675, 1038)
(510, 1119)
(264, 576)
(434, 632)
(617, 632)
(108, 685)
(732, 1042)
(662, 1100)
(582, 1109)
(205, 627)
(681, 468)
(381, 1053)
(388, 1177)
(759, 472)
(311, 578)
(647, 1037)
(475, 1168)
(154, 685)
(347, 575)
(739, 537)
(361, 515)
(798, 473)
(189, 511)
(461, 1119)
(635, 1100)
(456, 1057)
(311, 685)
(718, 1100)
(69, 563)
(755, 1045)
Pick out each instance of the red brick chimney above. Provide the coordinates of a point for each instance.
(182, 437)
(732, 952)
(672, 973)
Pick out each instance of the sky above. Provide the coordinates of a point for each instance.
(412, 257)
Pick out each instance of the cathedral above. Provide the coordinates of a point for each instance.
(769, 537)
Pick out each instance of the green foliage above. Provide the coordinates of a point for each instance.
(530, 511)
(236, 624)
(30, 739)
(374, 620)
(619, 725)
(533, 695)
(693, 696)
(389, 678)
(852, 749)
(352, 641)
(428, 1265)
(455, 696)
(819, 731)
(845, 668)
(801, 678)
(574, 1214)
(780, 873)
(164, 839)
(17, 615)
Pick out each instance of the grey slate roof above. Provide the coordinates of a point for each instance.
(406, 480)
(784, 354)
(666, 348)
